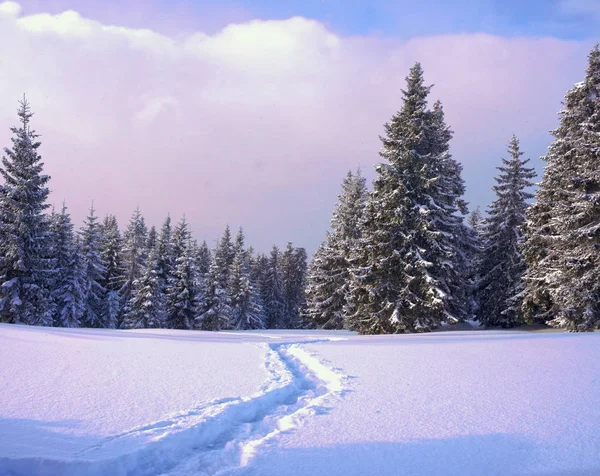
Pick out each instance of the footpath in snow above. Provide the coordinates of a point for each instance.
(215, 436)
(99, 402)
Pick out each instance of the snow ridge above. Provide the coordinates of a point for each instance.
(215, 438)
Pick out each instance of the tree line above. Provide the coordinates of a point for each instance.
(54, 275)
(404, 257)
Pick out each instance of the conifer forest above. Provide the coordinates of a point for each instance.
(403, 255)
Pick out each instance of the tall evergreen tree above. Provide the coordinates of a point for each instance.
(152, 239)
(26, 267)
(407, 269)
(293, 275)
(95, 271)
(183, 293)
(146, 308)
(134, 254)
(502, 265)
(114, 277)
(203, 259)
(563, 228)
(215, 308)
(273, 292)
(328, 279)
(246, 306)
(166, 260)
(68, 293)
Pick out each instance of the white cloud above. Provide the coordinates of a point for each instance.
(256, 124)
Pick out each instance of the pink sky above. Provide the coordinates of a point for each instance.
(256, 124)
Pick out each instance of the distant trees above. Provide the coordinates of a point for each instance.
(51, 275)
(398, 258)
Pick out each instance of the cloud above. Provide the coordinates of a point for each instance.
(256, 124)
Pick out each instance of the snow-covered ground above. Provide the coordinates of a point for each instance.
(95, 402)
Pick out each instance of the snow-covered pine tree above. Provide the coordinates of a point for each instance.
(134, 254)
(146, 308)
(26, 267)
(203, 259)
(215, 308)
(563, 232)
(183, 293)
(246, 306)
(177, 247)
(502, 266)
(293, 275)
(273, 292)
(68, 293)
(95, 271)
(328, 278)
(152, 239)
(181, 238)
(407, 268)
(475, 221)
(114, 277)
(166, 260)
(475, 234)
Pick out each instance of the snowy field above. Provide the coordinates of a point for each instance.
(102, 402)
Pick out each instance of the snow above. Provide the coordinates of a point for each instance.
(144, 402)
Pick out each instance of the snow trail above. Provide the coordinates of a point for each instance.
(215, 437)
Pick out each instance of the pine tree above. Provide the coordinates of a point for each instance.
(203, 259)
(327, 281)
(181, 238)
(215, 308)
(183, 294)
(95, 271)
(68, 292)
(246, 306)
(152, 239)
(293, 275)
(166, 260)
(408, 267)
(273, 292)
(563, 231)
(134, 254)
(475, 221)
(26, 267)
(146, 308)
(502, 266)
(114, 277)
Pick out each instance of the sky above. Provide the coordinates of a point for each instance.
(249, 113)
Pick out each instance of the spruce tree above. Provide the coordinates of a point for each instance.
(203, 259)
(562, 232)
(215, 308)
(165, 258)
(328, 278)
(114, 277)
(293, 275)
(152, 239)
(68, 293)
(146, 308)
(273, 292)
(134, 254)
(26, 267)
(95, 270)
(246, 306)
(502, 266)
(183, 295)
(408, 266)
